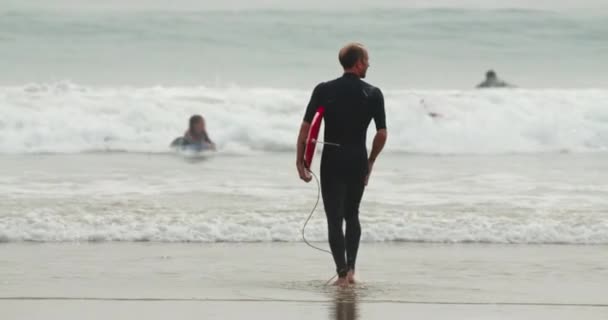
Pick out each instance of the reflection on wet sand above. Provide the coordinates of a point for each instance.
(345, 305)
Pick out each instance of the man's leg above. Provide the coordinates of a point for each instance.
(334, 193)
(353, 227)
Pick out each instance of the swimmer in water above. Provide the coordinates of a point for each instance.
(492, 81)
(197, 133)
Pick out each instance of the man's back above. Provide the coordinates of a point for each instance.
(350, 104)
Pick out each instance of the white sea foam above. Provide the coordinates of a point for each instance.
(64, 117)
(141, 224)
(541, 198)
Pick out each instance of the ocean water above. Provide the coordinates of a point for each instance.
(91, 95)
(274, 44)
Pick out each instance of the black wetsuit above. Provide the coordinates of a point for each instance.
(350, 104)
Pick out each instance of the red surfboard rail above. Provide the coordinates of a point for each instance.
(313, 133)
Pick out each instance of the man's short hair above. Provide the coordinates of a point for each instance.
(350, 54)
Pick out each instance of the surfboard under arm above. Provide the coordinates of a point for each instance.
(313, 133)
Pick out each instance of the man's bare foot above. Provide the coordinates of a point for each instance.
(341, 282)
(350, 276)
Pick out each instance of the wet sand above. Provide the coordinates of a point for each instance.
(279, 280)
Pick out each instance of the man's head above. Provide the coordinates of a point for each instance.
(354, 59)
(491, 75)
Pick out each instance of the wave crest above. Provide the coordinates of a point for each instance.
(68, 118)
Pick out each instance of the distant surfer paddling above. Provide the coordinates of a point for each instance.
(492, 81)
(350, 105)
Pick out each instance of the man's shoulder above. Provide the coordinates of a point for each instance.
(370, 88)
(367, 84)
(334, 83)
(325, 85)
(329, 83)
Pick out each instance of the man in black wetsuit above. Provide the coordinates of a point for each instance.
(350, 105)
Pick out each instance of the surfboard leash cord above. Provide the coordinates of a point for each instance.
(312, 212)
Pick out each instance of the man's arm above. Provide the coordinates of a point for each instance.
(301, 147)
(378, 145)
(381, 134)
(311, 109)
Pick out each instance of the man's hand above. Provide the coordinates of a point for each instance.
(303, 172)
(370, 166)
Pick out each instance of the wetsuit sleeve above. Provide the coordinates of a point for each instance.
(313, 104)
(379, 114)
